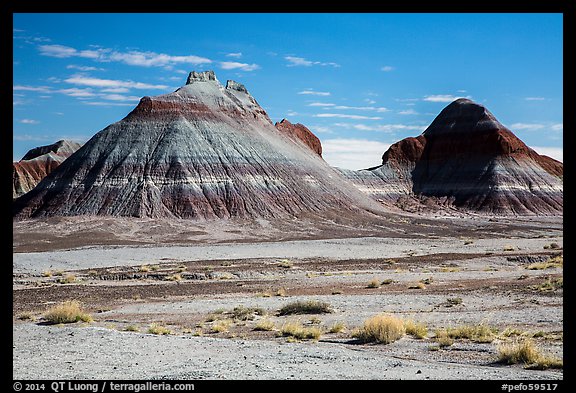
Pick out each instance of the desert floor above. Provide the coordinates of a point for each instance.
(210, 286)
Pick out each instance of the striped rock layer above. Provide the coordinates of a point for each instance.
(466, 159)
(204, 151)
(38, 163)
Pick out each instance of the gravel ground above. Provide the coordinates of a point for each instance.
(70, 352)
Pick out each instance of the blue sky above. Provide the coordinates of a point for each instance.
(360, 82)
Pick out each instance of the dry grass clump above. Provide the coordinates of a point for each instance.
(174, 277)
(306, 307)
(418, 285)
(69, 311)
(242, 313)
(526, 352)
(443, 339)
(144, 269)
(416, 329)
(509, 247)
(159, 329)
(551, 245)
(25, 316)
(131, 328)
(265, 325)
(47, 273)
(374, 283)
(337, 327)
(387, 281)
(285, 263)
(297, 331)
(480, 333)
(557, 261)
(220, 326)
(550, 285)
(381, 329)
(68, 279)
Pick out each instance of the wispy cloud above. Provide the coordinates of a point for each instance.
(29, 121)
(321, 104)
(102, 103)
(39, 89)
(408, 112)
(353, 153)
(119, 97)
(294, 61)
(235, 55)
(134, 58)
(314, 93)
(233, 65)
(534, 98)
(110, 83)
(441, 98)
(527, 126)
(387, 68)
(76, 92)
(83, 68)
(369, 101)
(387, 128)
(557, 127)
(345, 116)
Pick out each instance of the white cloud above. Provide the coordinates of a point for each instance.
(387, 68)
(39, 89)
(109, 83)
(322, 104)
(314, 93)
(362, 108)
(232, 65)
(236, 55)
(441, 98)
(294, 61)
(344, 116)
(534, 98)
(353, 153)
(388, 128)
(83, 68)
(557, 127)
(369, 101)
(119, 97)
(115, 90)
(408, 112)
(526, 126)
(101, 103)
(135, 58)
(555, 152)
(29, 121)
(76, 92)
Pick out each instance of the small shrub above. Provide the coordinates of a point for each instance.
(305, 307)
(264, 324)
(450, 269)
(58, 273)
(25, 316)
(220, 326)
(478, 333)
(454, 301)
(554, 246)
(419, 285)
(154, 268)
(144, 269)
(47, 273)
(555, 262)
(443, 339)
(383, 328)
(69, 311)
(374, 283)
(131, 328)
(159, 329)
(70, 278)
(509, 247)
(92, 273)
(285, 263)
(526, 352)
(297, 331)
(242, 313)
(427, 281)
(337, 327)
(550, 285)
(510, 332)
(174, 277)
(415, 329)
(387, 281)
(281, 292)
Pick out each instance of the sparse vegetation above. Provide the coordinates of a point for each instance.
(550, 285)
(480, 333)
(92, 273)
(159, 329)
(337, 327)
(509, 247)
(220, 326)
(454, 301)
(387, 281)
(154, 268)
(174, 277)
(526, 352)
(381, 329)
(450, 269)
(264, 324)
(25, 316)
(551, 246)
(70, 278)
(374, 283)
(416, 329)
(182, 268)
(242, 313)
(443, 339)
(47, 273)
(69, 311)
(557, 261)
(297, 331)
(314, 321)
(427, 281)
(306, 307)
(285, 263)
(131, 328)
(144, 269)
(418, 285)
